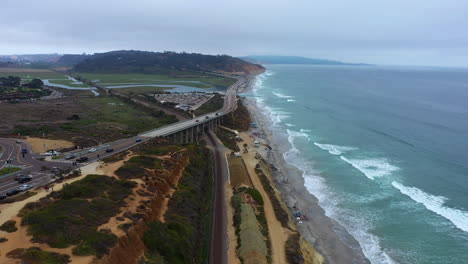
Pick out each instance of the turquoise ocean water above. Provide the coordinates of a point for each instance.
(385, 149)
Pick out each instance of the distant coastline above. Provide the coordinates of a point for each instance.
(271, 59)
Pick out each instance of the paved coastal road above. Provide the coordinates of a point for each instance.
(218, 254)
(229, 105)
(219, 246)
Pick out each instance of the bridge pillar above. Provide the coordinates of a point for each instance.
(186, 136)
(196, 133)
(181, 138)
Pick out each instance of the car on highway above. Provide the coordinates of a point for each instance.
(138, 140)
(19, 141)
(197, 120)
(17, 176)
(25, 187)
(91, 150)
(24, 179)
(207, 117)
(109, 150)
(70, 156)
(3, 197)
(82, 159)
(13, 192)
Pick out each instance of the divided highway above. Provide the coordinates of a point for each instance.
(32, 165)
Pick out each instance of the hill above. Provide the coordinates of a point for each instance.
(293, 60)
(130, 61)
(72, 59)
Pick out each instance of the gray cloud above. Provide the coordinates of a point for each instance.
(429, 32)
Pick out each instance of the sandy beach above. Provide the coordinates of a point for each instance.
(331, 240)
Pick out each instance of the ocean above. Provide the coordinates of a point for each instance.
(384, 149)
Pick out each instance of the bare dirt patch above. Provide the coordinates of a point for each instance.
(41, 145)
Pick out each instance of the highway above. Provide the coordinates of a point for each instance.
(229, 105)
(31, 165)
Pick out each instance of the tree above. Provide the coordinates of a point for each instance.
(35, 83)
(11, 81)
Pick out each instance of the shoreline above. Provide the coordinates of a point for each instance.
(324, 233)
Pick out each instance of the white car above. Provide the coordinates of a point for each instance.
(92, 150)
(51, 153)
(25, 187)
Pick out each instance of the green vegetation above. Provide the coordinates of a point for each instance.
(239, 119)
(8, 170)
(228, 138)
(185, 235)
(35, 255)
(72, 215)
(280, 213)
(293, 249)
(9, 226)
(24, 73)
(19, 197)
(141, 90)
(161, 151)
(68, 83)
(253, 245)
(192, 79)
(214, 104)
(135, 167)
(114, 110)
(167, 63)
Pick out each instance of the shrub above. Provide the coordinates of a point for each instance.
(73, 220)
(94, 243)
(9, 226)
(255, 195)
(37, 256)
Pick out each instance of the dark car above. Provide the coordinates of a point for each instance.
(18, 176)
(138, 140)
(82, 159)
(3, 197)
(24, 179)
(70, 156)
(109, 150)
(13, 192)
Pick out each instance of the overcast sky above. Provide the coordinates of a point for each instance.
(411, 32)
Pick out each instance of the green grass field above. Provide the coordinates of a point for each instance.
(113, 110)
(68, 83)
(141, 89)
(117, 79)
(31, 73)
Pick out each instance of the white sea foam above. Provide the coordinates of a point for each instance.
(435, 204)
(355, 224)
(372, 168)
(334, 149)
(291, 100)
(280, 95)
(295, 134)
(290, 125)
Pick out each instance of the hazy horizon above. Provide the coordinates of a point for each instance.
(384, 33)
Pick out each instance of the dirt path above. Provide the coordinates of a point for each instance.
(278, 234)
(232, 238)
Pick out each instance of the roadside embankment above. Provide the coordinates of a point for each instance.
(284, 243)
